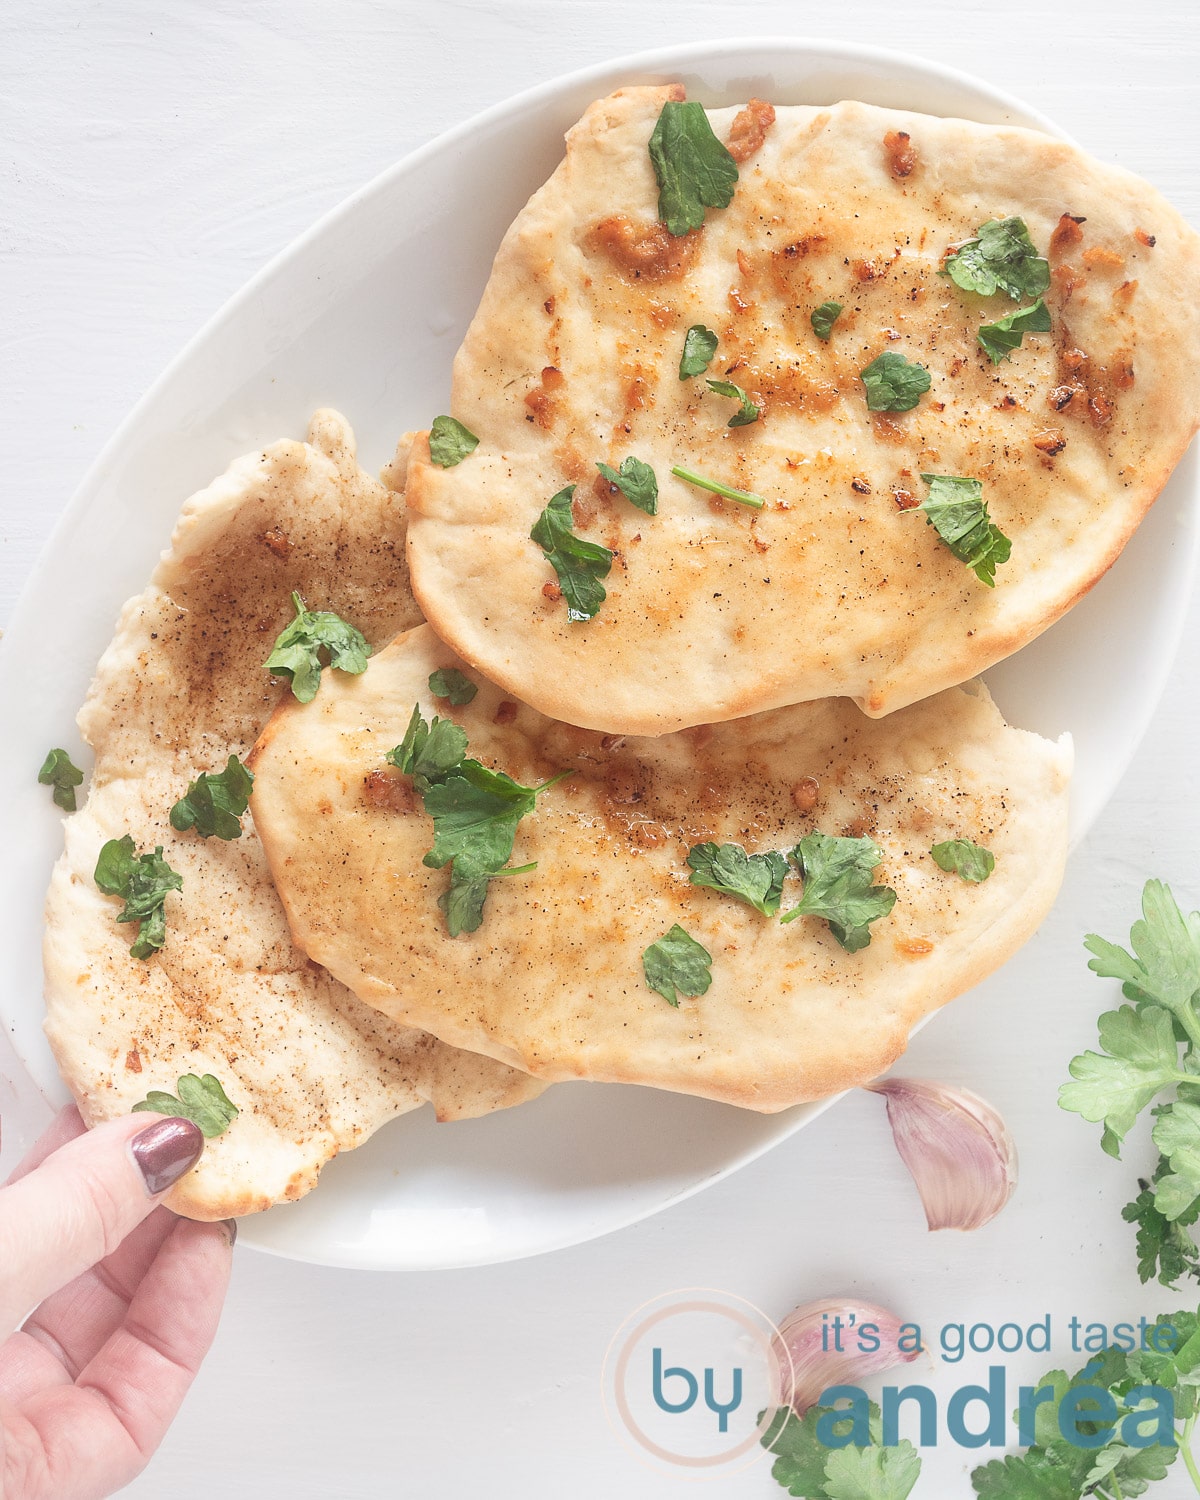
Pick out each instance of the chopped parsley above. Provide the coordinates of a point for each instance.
(694, 170)
(894, 383)
(677, 965)
(824, 317)
(715, 487)
(450, 442)
(1001, 258)
(453, 685)
(298, 649)
(999, 339)
(201, 1100)
(810, 1460)
(213, 805)
(747, 413)
(636, 481)
(956, 510)
(143, 882)
(962, 857)
(475, 814)
(579, 564)
(756, 879)
(699, 346)
(839, 886)
(58, 772)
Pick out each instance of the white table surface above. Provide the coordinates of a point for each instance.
(153, 156)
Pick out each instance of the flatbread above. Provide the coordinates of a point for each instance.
(181, 687)
(714, 610)
(552, 980)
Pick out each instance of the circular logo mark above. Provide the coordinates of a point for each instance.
(692, 1379)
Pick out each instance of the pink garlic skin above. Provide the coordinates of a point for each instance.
(807, 1367)
(956, 1147)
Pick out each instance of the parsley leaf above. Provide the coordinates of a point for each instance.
(298, 648)
(58, 772)
(962, 857)
(699, 346)
(450, 442)
(215, 804)
(715, 487)
(1166, 969)
(956, 509)
(894, 383)
(475, 814)
(1140, 1058)
(805, 1467)
(677, 964)
(756, 879)
(1164, 1248)
(824, 317)
(1037, 1474)
(747, 413)
(636, 481)
(143, 882)
(449, 682)
(999, 339)
(1176, 1133)
(201, 1100)
(1002, 258)
(580, 565)
(838, 886)
(694, 170)
(428, 752)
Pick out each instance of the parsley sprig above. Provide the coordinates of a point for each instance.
(699, 347)
(893, 383)
(999, 339)
(59, 772)
(756, 879)
(300, 646)
(957, 511)
(839, 885)
(1001, 258)
(694, 170)
(143, 881)
(747, 411)
(213, 805)
(1151, 1051)
(579, 564)
(475, 813)
(677, 965)
(805, 1466)
(637, 482)
(201, 1100)
(450, 442)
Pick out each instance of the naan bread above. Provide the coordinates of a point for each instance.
(181, 687)
(713, 610)
(552, 980)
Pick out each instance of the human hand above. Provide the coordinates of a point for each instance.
(125, 1300)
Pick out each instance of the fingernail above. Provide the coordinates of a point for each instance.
(166, 1150)
(230, 1226)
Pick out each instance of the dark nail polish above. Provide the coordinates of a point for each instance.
(166, 1150)
(231, 1230)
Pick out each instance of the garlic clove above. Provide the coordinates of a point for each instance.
(957, 1148)
(821, 1344)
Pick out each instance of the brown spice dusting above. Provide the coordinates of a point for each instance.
(552, 591)
(1067, 233)
(276, 541)
(801, 248)
(749, 129)
(133, 1061)
(805, 794)
(901, 153)
(640, 251)
(1050, 441)
(505, 713)
(1143, 238)
(389, 790)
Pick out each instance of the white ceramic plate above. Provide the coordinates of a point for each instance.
(364, 313)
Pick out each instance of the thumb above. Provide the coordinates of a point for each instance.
(81, 1202)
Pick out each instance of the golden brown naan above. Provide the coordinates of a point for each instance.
(182, 686)
(714, 611)
(552, 980)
